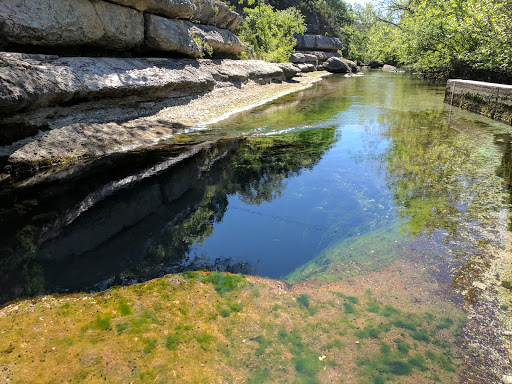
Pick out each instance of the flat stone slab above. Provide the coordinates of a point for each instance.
(489, 99)
(28, 82)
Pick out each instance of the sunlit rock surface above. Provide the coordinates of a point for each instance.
(70, 22)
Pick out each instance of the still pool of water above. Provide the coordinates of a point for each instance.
(346, 179)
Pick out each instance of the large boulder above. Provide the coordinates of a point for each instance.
(289, 70)
(70, 23)
(375, 64)
(211, 12)
(189, 39)
(221, 41)
(297, 57)
(336, 65)
(317, 43)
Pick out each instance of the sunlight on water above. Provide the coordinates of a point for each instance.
(368, 185)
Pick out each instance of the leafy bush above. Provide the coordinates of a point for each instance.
(269, 33)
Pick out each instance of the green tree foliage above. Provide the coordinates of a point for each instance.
(436, 35)
(269, 33)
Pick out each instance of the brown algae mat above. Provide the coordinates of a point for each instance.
(386, 326)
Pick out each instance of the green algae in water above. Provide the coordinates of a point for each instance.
(353, 256)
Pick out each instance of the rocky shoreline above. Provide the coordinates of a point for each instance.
(58, 110)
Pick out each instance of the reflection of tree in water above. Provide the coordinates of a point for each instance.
(444, 183)
(256, 172)
(189, 198)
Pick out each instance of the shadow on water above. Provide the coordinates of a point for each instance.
(107, 227)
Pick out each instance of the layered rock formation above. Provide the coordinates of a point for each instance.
(315, 49)
(56, 109)
(191, 28)
(189, 39)
(317, 43)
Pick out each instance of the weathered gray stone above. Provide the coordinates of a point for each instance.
(27, 84)
(310, 58)
(317, 43)
(336, 65)
(70, 23)
(306, 67)
(489, 99)
(351, 65)
(389, 68)
(289, 70)
(187, 38)
(297, 57)
(221, 41)
(204, 11)
(313, 56)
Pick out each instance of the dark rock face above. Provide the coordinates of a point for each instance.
(336, 65)
(375, 64)
(318, 43)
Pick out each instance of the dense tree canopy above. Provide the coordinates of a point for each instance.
(437, 36)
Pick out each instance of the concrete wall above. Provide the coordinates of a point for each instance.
(489, 99)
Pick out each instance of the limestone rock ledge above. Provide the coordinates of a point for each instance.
(318, 43)
(53, 109)
(203, 11)
(58, 25)
(68, 23)
(28, 81)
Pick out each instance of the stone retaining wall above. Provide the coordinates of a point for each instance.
(189, 28)
(489, 99)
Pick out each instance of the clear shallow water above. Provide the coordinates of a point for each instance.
(344, 159)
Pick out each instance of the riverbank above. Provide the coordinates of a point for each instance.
(83, 115)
